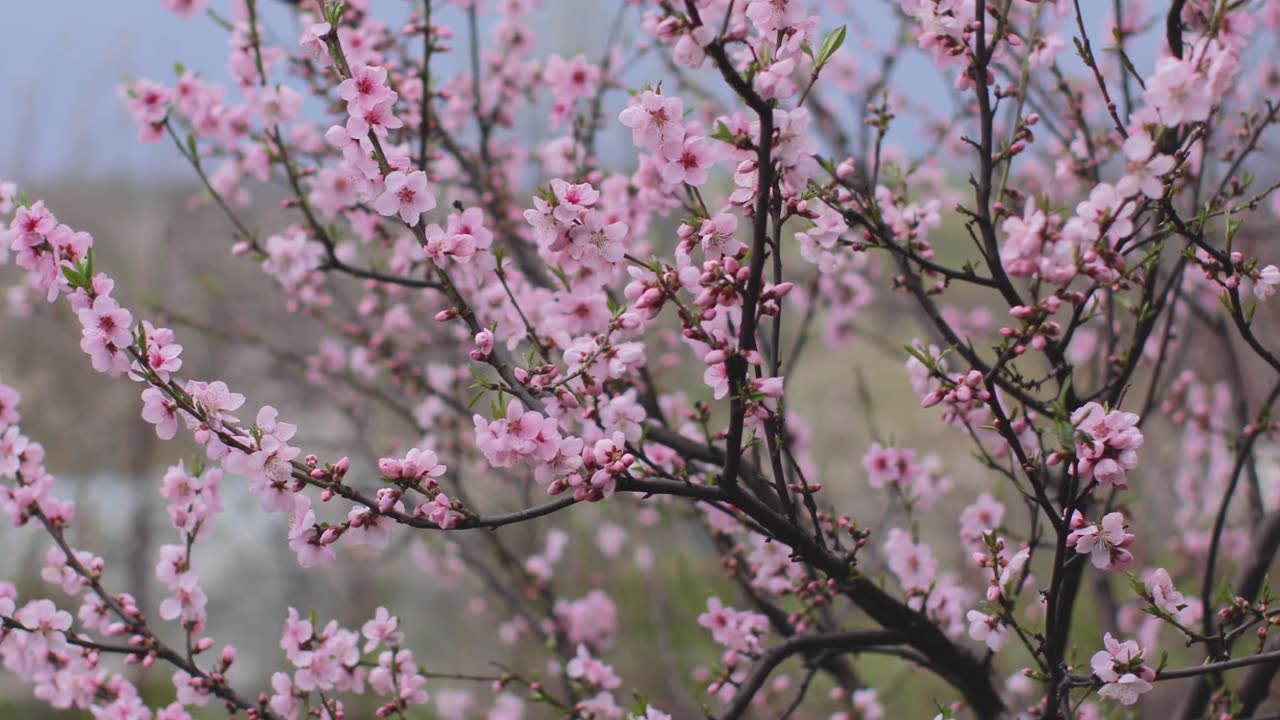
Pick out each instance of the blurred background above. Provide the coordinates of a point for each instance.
(64, 136)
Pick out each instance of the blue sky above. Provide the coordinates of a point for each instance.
(60, 64)
(60, 117)
(59, 114)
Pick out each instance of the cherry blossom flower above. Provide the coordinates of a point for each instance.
(1120, 667)
(687, 161)
(1105, 542)
(1268, 280)
(1144, 168)
(583, 666)
(381, 630)
(1106, 443)
(406, 194)
(988, 629)
(1163, 594)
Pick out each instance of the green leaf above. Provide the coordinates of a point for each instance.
(830, 44)
(918, 354)
(723, 134)
(1066, 434)
(73, 276)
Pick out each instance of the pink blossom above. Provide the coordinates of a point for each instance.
(1106, 443)
(1144, 168)
(366, 88)
(1163, 594)
(381, 630)
(911, 562)
(1120, 667)
(1266, 283)
(571, 79)
(583, 666)
(736, 630)
(1178, 91)
(186, 9)
(770, 16)
(716, 234)
(378, 118)
(1105, 542)
(312, 41)
(988, 629)
(655, 120)
(407, 195)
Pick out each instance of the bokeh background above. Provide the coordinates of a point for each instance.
(65, 137)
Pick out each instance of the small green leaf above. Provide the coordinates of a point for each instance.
(73, 276)
(1066, 434)
(723, 134)
(830, 44)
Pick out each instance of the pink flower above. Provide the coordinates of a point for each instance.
(366, 88)
(305, 536)
(187, 601)
(312, 41)
(655, 120)
(378, 118)
(987, 629)
(439, 510)
(1163, 594)
(1178, 91)
(1144, 168)
(983, 516)
(107, 319)
(1104, 542)
(407, 195)
(738, 631)
(160, 411)
(716, 377)
(148, 102)
(775, 80)
(217, 401)
(418, 464)
(572, 79)
(687, 161)
(381, 630)
(591, 671)
(1265, 284)
(185, 9)
(283, 701)
(1120, 667)
(8, 193)
(889, 466)
(163, 355)
(291, 257)
(279, 105)
(1107, 208)
(1106, 443)
(596, 242)
(913, 563)
(107, 334)
(9, 399)
(44, 618)
(716, 234)
(770, 16)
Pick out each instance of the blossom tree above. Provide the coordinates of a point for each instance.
(1071, 224)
